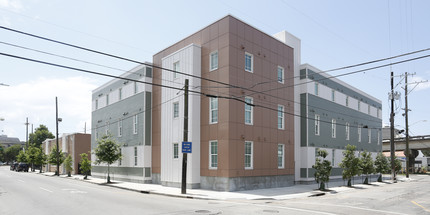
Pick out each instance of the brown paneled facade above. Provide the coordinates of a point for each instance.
(233, 38)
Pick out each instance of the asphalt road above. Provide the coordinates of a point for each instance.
(29, 193)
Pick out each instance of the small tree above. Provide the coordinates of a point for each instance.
(68, 164)
(40, 159)
(31, 155)
(54, 157)
(39, 135)
(322, 169)
(107, 151)
(366, 165)
(397, 165)
(350, 164)
(381, 165)
(22, 157)
(85, 164)
(11, 153)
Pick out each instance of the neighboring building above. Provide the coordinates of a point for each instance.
(236, 146)
(10, 141)
(333, 115)
(71, 144)
(122, 109)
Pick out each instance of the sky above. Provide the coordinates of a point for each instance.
(333, 33)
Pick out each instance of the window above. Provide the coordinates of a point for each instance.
(248, 110)
(107, 99)
(175, 150)
(213, 64)
(359, 106)
(333, 153)
(120, 160)
(317, 124)
(97, 104)
(135, 88)
(359, 134)
(213, 110)
(368, 109)
(316, 89)
(97, 134)
(135, 123)
(333, 94)
(135, 156)
(280, 75)
(281, 156)
(249, 62)
(176, 110)
(248, 154)
(120, 93)
(213, 154)
(120, 128)
(347, 101)
(333, 128)
(176, 69)
(379, 137)
(378, 113)
(347, 131)
(281, 123)
(369, 135)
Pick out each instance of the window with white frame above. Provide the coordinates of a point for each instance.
(359, 133)
(175, 150)
(333, 154)
(176, 68)
(316, 89)
(333, 95)
(333, 128)
(213, 154)
(378, 113)
(135, 123)
(135, 156)
(120, 159)
(120, 93)
(135, 88)
(248, 110)
(281, 156)
(248, 154)
(120, 128)
(176, 110)
(379, 137)
(317, 124)
(347, 131)
(249, 61)
(97, 104)
(107, 127)
(97, 134)
(213, 64)
(369, 135)
(347, 101)
(213, 110)
(281, 121)
(359, 106)
(107, 99)
(368, 109)
(281, 74)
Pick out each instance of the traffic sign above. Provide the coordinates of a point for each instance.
(186, 147)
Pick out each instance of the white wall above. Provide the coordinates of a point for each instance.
(172, 128)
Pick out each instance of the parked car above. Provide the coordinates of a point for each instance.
(22, 167)
(13, 166)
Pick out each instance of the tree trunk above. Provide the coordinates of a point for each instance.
(108, 178)
(380, 178)
(322, 186)
(366, 181)
(349, 183)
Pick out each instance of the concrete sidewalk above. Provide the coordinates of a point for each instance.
(281, 193)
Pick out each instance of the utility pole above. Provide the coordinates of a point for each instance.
(407, 125)
(26, 133)
(392, 149)
(56, 125)
(185, 155)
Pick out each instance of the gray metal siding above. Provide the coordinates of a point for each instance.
(148, 118)
(342, 115)
(303, 120)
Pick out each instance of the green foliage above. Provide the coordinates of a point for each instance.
(107, 151)
(426, 152)
(40, 134)
(366, 165)
(350, 164)
(31, 155)
(2, 152)
(85, 164)
(322, 169)
(54, 157)
(381, 164)
(40, 158)
(397, 165)
(22, 157)
(11, 153)
(68, 165)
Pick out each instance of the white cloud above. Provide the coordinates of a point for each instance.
(421, 86)
(36, 100)
(14, 5)
(5, 21)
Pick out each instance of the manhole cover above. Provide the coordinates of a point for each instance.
(271, 211)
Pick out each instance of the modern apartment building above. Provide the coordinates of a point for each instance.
(71, 144)
(122, 108)
(242, 143)
(334, 114)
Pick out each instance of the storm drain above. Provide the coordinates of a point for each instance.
(271, 211)
(207, 212)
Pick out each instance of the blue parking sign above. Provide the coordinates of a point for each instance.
(186, 147)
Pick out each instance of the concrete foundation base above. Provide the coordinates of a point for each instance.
(245, 183)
